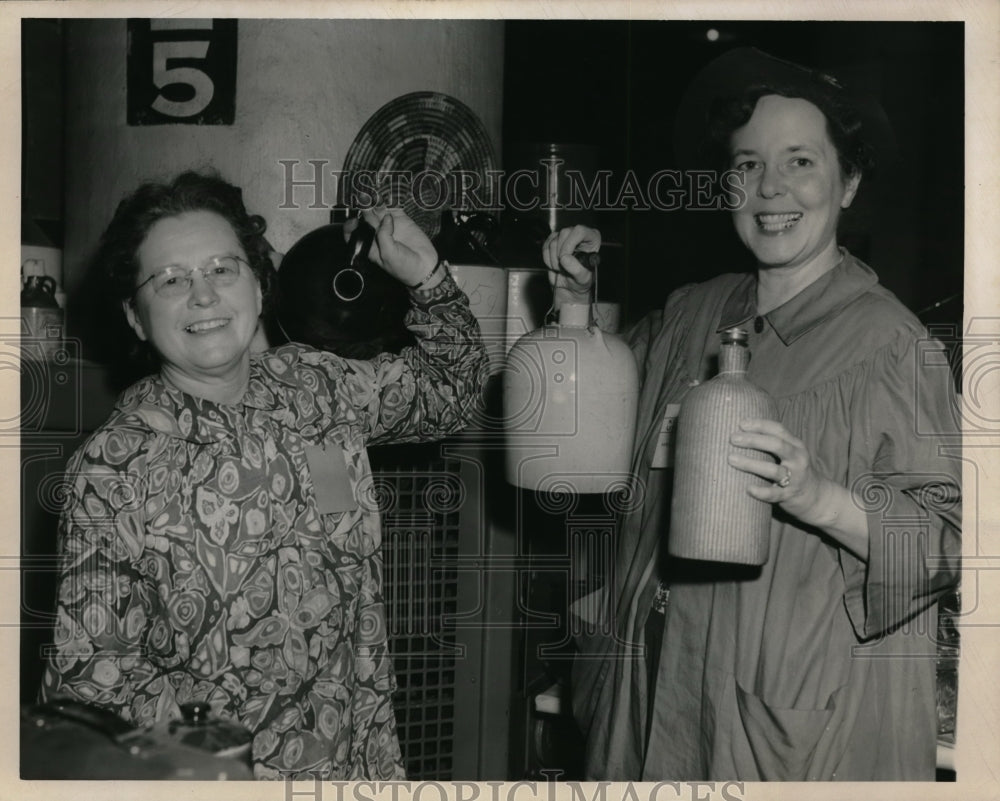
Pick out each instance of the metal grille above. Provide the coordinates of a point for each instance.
(420, 496)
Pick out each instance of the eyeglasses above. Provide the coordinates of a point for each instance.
(175, 281)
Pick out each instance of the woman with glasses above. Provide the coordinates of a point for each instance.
(220, 542)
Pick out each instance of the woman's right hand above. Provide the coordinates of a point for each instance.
(571, 281)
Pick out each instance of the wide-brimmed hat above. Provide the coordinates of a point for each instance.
(737, 70)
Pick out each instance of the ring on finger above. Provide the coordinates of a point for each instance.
(785, 479)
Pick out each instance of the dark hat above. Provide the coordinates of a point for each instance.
(736, 71)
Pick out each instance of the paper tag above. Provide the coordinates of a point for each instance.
(331, 484)
(663, 455)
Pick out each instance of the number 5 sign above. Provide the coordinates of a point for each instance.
(181, 71)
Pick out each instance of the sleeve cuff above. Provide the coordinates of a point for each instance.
(447, 289)
(896, 582)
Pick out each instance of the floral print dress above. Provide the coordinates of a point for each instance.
(231, 553)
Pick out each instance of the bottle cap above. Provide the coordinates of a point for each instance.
(735, 336)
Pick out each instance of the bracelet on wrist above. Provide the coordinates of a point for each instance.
(441, 263)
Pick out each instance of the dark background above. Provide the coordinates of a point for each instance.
(615, 86)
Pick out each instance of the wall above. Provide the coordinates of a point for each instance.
(304, 90)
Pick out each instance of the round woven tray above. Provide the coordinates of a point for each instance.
(423, 133)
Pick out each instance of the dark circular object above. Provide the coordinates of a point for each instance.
(315, 309)
(427, 134)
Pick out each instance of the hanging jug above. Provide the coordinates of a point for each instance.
(570, 394)
(712, 515)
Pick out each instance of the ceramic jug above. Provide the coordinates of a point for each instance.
(570, 395)
(712, 516)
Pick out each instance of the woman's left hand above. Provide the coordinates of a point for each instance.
(400, 247)
(795, 486)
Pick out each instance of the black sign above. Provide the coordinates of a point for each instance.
(181, 71)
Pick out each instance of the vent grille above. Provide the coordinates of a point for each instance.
(420, 494)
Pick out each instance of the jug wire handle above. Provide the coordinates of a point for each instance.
(592, 323)
(591, 263)
(552, 316)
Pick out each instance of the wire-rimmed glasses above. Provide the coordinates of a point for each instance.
(176, 280)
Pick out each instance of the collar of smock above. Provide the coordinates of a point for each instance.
(154, 404)
(823, 298)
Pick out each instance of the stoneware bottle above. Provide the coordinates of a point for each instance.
(712, 515)
(570, 394)
(41, 317)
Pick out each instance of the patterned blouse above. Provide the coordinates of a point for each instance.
(231, 553)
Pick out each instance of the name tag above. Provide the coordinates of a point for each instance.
(332, 485)
(663, 454)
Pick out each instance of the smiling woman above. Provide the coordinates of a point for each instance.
(219, 543)
(817, 665)
(200, 320)
(794, 191)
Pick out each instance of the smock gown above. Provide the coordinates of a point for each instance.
(200, 563)
(819, 665)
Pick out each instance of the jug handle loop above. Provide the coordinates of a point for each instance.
(592, 323)
(551, 316)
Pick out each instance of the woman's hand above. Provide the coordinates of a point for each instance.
(796, 487)
(400, 247)
(571, 281)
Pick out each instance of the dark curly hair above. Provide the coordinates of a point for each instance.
(139, 211)
(112, 273)
(843, 124)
